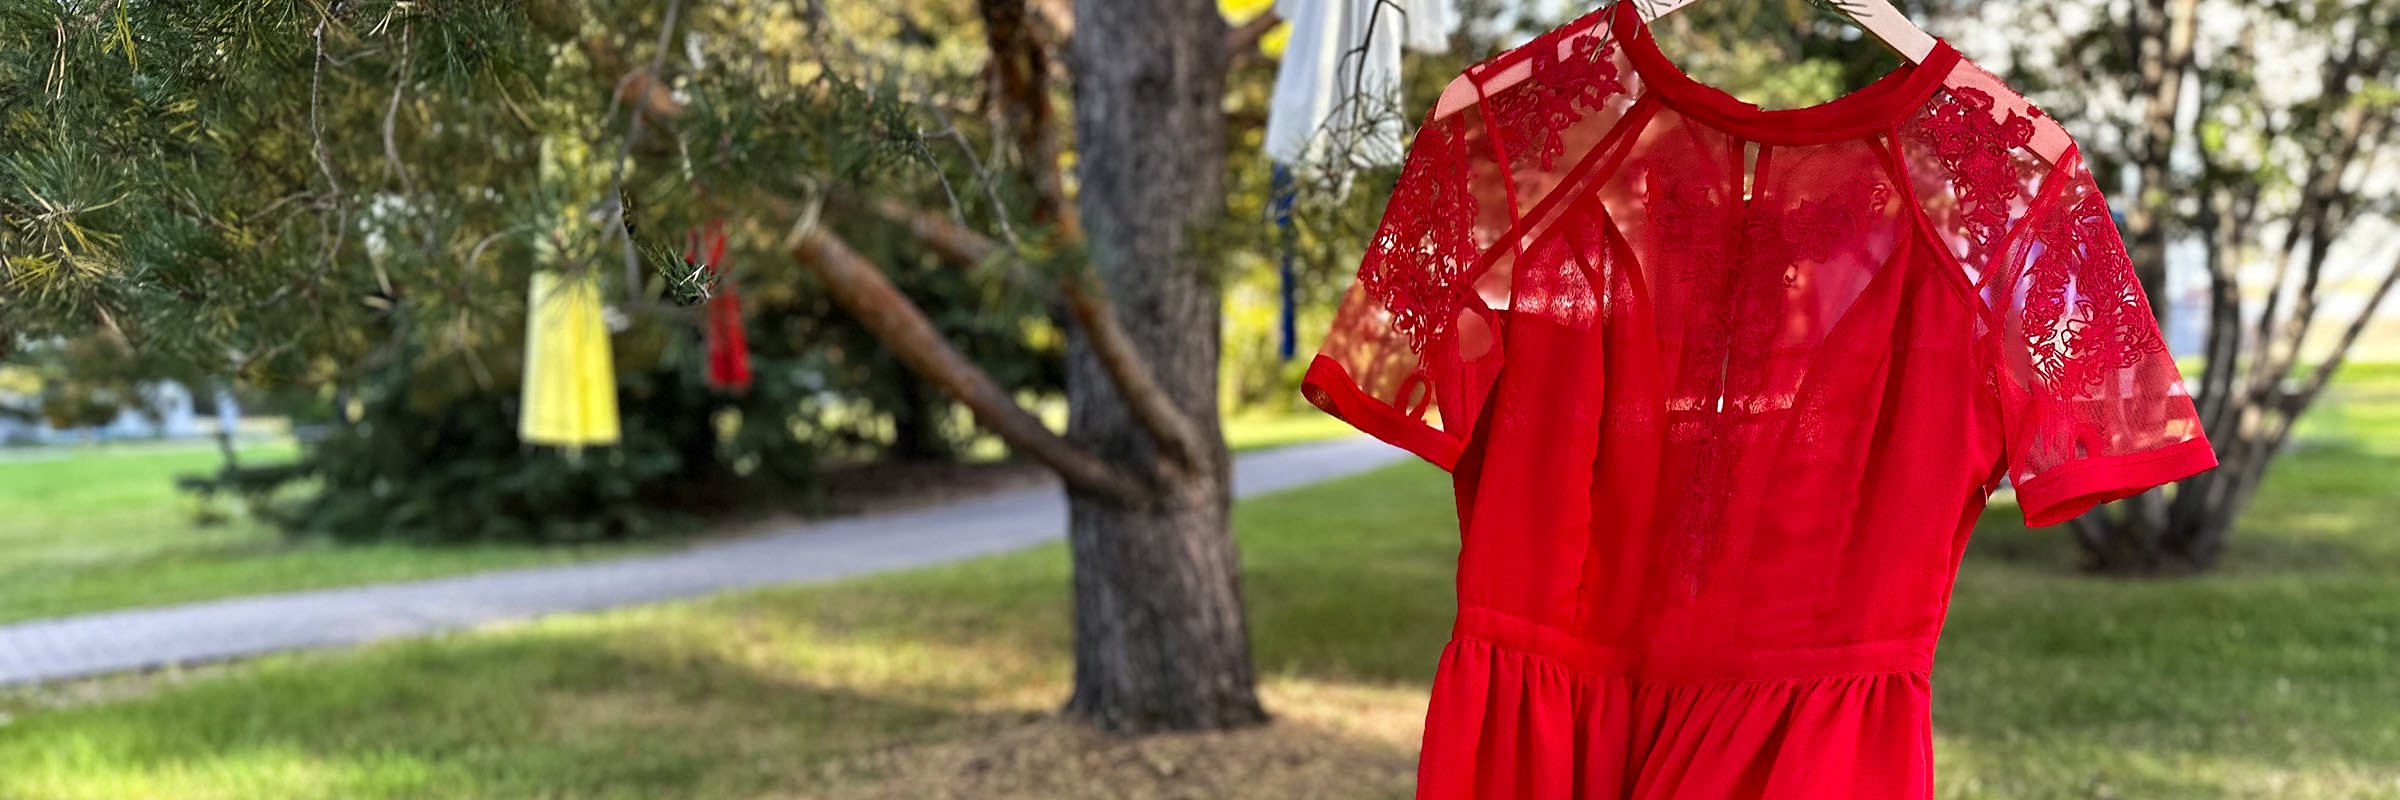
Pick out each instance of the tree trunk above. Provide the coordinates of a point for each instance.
(1161, 642)
(917, 432)
(2166, 56)
(2119, 542)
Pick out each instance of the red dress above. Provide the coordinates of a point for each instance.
(1722, 391)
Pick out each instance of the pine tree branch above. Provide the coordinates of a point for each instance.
(633, 130)
(638, 88)
(991, 190)
(391, 113)
(565, 19)
(1177, 434)
(1024, 75)
(339, 228)
(862, 290)
(316, 94)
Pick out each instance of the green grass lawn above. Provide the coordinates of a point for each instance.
(1260, 432)
(95, 528)
(2271, 679)
(92, 528)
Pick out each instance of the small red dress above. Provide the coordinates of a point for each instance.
(1722, 391)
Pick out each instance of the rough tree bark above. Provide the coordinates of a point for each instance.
(1161, 641)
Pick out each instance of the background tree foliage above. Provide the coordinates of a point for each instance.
(350, 196)
(2258, 140)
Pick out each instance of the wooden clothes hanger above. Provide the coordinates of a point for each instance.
(1878, 17)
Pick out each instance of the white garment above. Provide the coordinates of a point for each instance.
(1331, 97)
(229, 411)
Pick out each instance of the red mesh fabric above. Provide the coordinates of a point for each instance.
(2096, 409)
(1414, 343)
(1722, 391)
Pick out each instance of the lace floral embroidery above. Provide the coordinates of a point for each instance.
(1424, 249)
(1686, 222)
(1686, 216)
(1775, 242)
(1810, 232)
(1779, 240)
(1974, 148)
(2083, 264)
(1532, 113)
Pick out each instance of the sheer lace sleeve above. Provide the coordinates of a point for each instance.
(1415, 345)
(2096, 410)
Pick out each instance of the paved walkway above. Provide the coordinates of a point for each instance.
(135, 639)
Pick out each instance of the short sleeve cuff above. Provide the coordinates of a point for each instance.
(1330, 387)
(2067, 491)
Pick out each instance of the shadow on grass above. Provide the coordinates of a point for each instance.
(545, 712)
(1054, 760)
(2251, 682)
(2265, 682)
(2085, 727)
(789, 693)
(1350, 580)
(2081, 765)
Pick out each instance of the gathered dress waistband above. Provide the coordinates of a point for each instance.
(1687, 664)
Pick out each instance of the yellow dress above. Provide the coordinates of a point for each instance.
(570, 391)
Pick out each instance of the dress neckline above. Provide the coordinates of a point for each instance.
(1878, 106)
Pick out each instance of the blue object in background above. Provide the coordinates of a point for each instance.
(1284, 189)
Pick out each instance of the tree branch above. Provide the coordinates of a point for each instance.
(2319, 195)
(1242, 40)
(634, 85)
(1019, 62)
(1021, 70)
(1150, 403)
(862, 290)
(2358, 325)
(316, 82)
(2224, 224)
(955, 243)
(340, 224)
(2227, 223)
(391, 114)
(1136, 384)
(633, 130)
